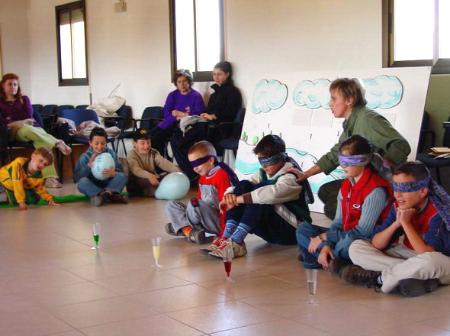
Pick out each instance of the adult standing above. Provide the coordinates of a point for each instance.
(223, 105)
(347, 101)
(182, 102)
(16, 114)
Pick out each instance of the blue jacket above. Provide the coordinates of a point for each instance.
(83, 170)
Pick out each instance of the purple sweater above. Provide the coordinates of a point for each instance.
(10, 112)
(192, 101)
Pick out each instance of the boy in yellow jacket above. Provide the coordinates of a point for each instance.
(22, 179)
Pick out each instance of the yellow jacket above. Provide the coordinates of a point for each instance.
(15, 177)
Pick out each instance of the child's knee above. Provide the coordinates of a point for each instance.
(243, 187)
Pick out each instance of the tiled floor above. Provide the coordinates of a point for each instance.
(52, 283)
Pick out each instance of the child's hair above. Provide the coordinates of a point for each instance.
(98, 131)
(141, 134)
(350, 88)
(356, 145)
(415, 169)
(270, 145)
(45, 153)
(203, 146)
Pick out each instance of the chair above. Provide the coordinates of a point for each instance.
(63, 107)
(49, 110)
(83, 107)
(229, 133)
(437, 163)
(150, 118)
(123, 121)
(37, 108)
(78, 116)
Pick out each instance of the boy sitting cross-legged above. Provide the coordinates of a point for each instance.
(271, 204)
(105, 190)
(421, 262)
(143, 162)
(22, 179)
(202, 215)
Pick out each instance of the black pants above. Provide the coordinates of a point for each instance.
(181, 143)
(261, 219)
(328, 194)
(160, 137)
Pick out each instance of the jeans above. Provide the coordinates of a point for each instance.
(305, 232)
(92, 187)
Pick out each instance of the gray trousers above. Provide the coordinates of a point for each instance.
(399, 262)
(204, 216)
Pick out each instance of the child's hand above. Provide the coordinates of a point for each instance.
(91, 159)
(153, 179)
(325, 257)
(406, 215)
(314, 244)
(53, 203)
(109, 172)
(23, 206)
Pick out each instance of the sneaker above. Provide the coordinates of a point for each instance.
(214, 245)
(52, 182)
(239, 250)
(417, 287)
(170, 230)
(63, 148)
(198, 236)
(116, 197)
(359, 276)
(97, 200)
(337, 264)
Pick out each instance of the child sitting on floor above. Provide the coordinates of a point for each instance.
(202, 215)
(271, 204)
(100, 191)
(364, 200)
(143, 162)
(22, 179)
(419, 263)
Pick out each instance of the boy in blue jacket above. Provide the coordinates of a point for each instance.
(100, 191)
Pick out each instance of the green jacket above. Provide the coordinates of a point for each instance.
(390, 144)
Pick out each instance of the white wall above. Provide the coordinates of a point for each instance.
(268, 36)
(14, 39)
(261, 36)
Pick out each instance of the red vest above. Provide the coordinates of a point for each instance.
(353, 197)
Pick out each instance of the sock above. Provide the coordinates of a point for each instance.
(186, 230)
(230, 227)
(380, 280)
(240, 233)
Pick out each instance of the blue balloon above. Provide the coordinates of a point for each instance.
(101, 162)
(172, 187)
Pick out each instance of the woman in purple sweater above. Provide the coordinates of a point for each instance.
(181, 102)
(16, 114)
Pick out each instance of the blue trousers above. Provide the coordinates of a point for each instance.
(305, 232)
(92, 187)
(261, 219)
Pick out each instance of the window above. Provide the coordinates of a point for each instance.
(196, 36)
(417, 32)
(71, 42)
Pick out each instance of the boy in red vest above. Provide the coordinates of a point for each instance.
(420, 263)
(364, 198)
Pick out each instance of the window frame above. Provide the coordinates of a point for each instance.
(80, 4)
(199, 76)
(439, 65)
